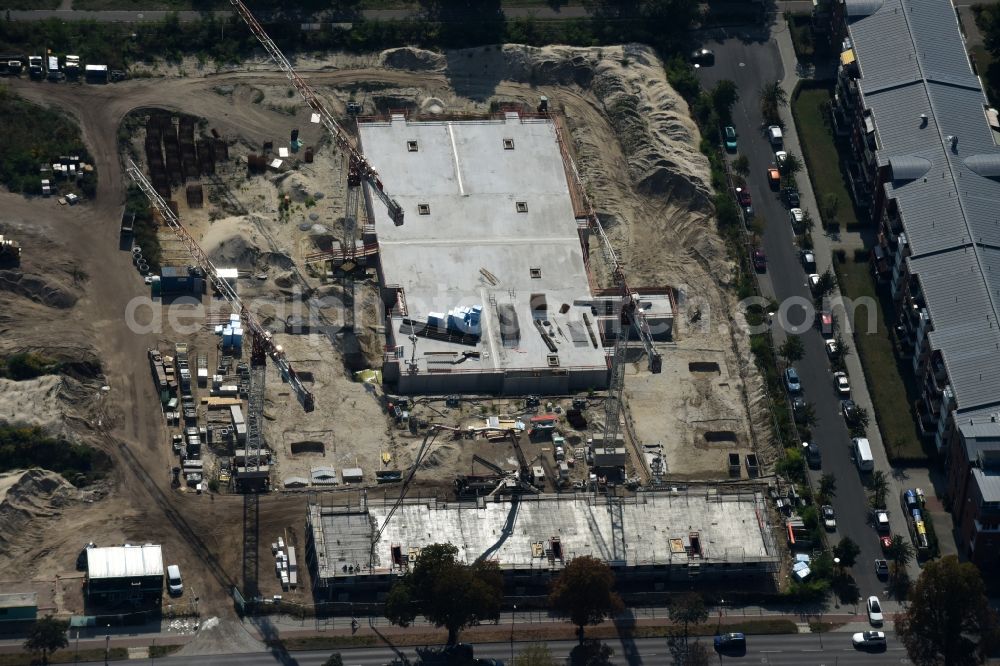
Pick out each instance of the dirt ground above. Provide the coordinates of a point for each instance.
(637, 152)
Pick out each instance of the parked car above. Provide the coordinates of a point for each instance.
(813, 281)
(882, 569)
(730, 134)
(703, 57)
(779, 158)
(808, 259)
(759, 260)
(829, 518)
(832, 350)
(773, 177)
(850, 411)
(732, 642)
(880, 519)
(824, 320)
(812, 454)
(797, 217)
(774, 136)
(174, 583)
(875, 611)
(792, 381)
(790, 196)
(745, 200)
(840, 382)
(798, 408)
(869, 639)
(886, 542)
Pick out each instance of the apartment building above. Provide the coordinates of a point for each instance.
(924, 160)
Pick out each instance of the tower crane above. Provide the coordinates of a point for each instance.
(262, 341)
(365, 170)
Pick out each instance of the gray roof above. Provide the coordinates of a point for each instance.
(928, 109)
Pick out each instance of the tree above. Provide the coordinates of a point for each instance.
(772, 98)
(688, 609)
(847, 551)
(828, 485)
(591, 653)
(791, 165)
(900, 552)
(334, 660)
(536, 654)
(584, 592)
(741, 165)
(878, 486)
(948, 620)
(447, 592)
(825, 284)
(724, 96)
(46, 636)
(861, 420)
(689, 654)
(792, 349)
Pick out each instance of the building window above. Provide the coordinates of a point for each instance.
(411, 146)
(508, 144)
(536, 273)
(522, 206)
(424, 209)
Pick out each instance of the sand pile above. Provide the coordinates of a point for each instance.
(36, 401)
(231, 243)
(414, 60)
(37, 288)
(26, 497)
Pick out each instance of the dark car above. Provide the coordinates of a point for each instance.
(790, 196)
(759, 260)
(703, 58)
(799, 408)
(743, 196)
(850, 411)
(881, 569)
(735, 642)
(812, 454)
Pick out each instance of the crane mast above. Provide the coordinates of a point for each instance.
(262, 340)
(342, 138)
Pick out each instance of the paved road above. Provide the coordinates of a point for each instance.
(791, 650)
(751, 63)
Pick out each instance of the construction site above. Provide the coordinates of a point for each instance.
(454, 297)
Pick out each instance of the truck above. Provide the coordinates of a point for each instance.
(53, 72)
(73, 67)
(128, 224)
(36, 68)
(10, 252)
(95, 73)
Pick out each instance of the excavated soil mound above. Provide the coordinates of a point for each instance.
(37, 288)
(416, 60)
(26, 497)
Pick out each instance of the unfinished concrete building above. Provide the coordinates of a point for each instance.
(650, 539)
(487, 285)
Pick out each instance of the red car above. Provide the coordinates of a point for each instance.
(759, 260)
(743, 196)
(886, 542)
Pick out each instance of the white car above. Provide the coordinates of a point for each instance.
(174, 583)
(829, 518)
(875, 611)
(864, 639)
(796, 216)
(779, 158)
(832, 350)
(840, 381)
(813, 282)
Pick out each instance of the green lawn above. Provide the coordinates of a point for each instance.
(820, 151)
(887, 381)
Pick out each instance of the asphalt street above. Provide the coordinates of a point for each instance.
(750, 64)
(828, 649)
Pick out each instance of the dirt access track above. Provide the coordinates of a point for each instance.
(204, 534)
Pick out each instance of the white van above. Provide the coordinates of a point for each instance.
(174, 583)
(863, 454)
(774, 136)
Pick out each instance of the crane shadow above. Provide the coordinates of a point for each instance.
(505, 531)
(625, 625)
